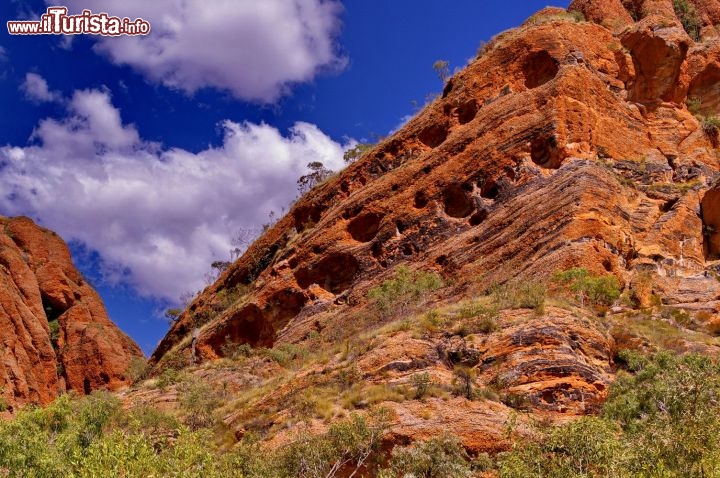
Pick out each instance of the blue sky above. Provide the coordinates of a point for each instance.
(149, 154)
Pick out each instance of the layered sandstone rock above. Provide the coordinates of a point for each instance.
(55, 333)
(565, 144)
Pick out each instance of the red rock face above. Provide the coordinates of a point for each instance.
(711, 222)
(563, 145)
(39, 289)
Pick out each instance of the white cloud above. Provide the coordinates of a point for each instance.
(162, 214)
(254, 49)
(36, 89)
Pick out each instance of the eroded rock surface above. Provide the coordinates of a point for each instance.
(55, 332)
(564, 144)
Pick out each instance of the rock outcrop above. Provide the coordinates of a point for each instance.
(564, 144)
(55, 332)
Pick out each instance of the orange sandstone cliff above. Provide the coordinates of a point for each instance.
(564, 144)
(55, 334)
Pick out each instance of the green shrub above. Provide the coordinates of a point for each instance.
(404, 291)
(285, 354)
(167, 377)
(235, 351)
(198, 401)
(688, 16)
(595, 290)
(440, 457)
(54, 326)
(464, 381)
(588, 447)
(442, 68)
(137, 369)
(520, 295)
(483, 319)
(353, 154)
(711, 128)
(348, 445)
(422, 383)
(694, 105)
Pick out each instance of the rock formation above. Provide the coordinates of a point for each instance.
(564, 144)
(54, 332)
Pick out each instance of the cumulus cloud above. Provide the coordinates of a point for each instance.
(158, 216)
(36, 89)
(254, 49)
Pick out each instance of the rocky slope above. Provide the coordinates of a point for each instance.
(564, 144)
(56, 335)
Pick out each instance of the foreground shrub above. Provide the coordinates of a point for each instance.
(662, 419)
(588, 447)
(440, 457)
(348, 445)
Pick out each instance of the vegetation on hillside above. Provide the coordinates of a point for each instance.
(661, 420)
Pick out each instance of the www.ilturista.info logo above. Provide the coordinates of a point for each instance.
(57, 22)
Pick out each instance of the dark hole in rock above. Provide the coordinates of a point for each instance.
(283, 306)
(510, 173)
(351, 212)
(457, 202)
(442, 260)
(433, 136)
(293, 262)
(427, 169)
(306, 217)
(401, 227)
(467, 111)
(317, 249)
(607, 265)
(448, 88)
(364, 228)
(421, 200)
(395, 187)
(86, 386)
(668, 205)
(539, 68)
(467, 187)
(104, 377)
(490, 190)
(53, 309)
(408, 250)
(362, 180)
(545, 153)
(334, 272)
(345, 187)
(393, 149)
(245, 326)
(548, 396)
(478, 218)
(447, 109)
(377, 250)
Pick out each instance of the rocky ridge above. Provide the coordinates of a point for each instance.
(56, 335)
(564, 144)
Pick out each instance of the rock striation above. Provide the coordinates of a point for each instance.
(564, 144)
(55, 333)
